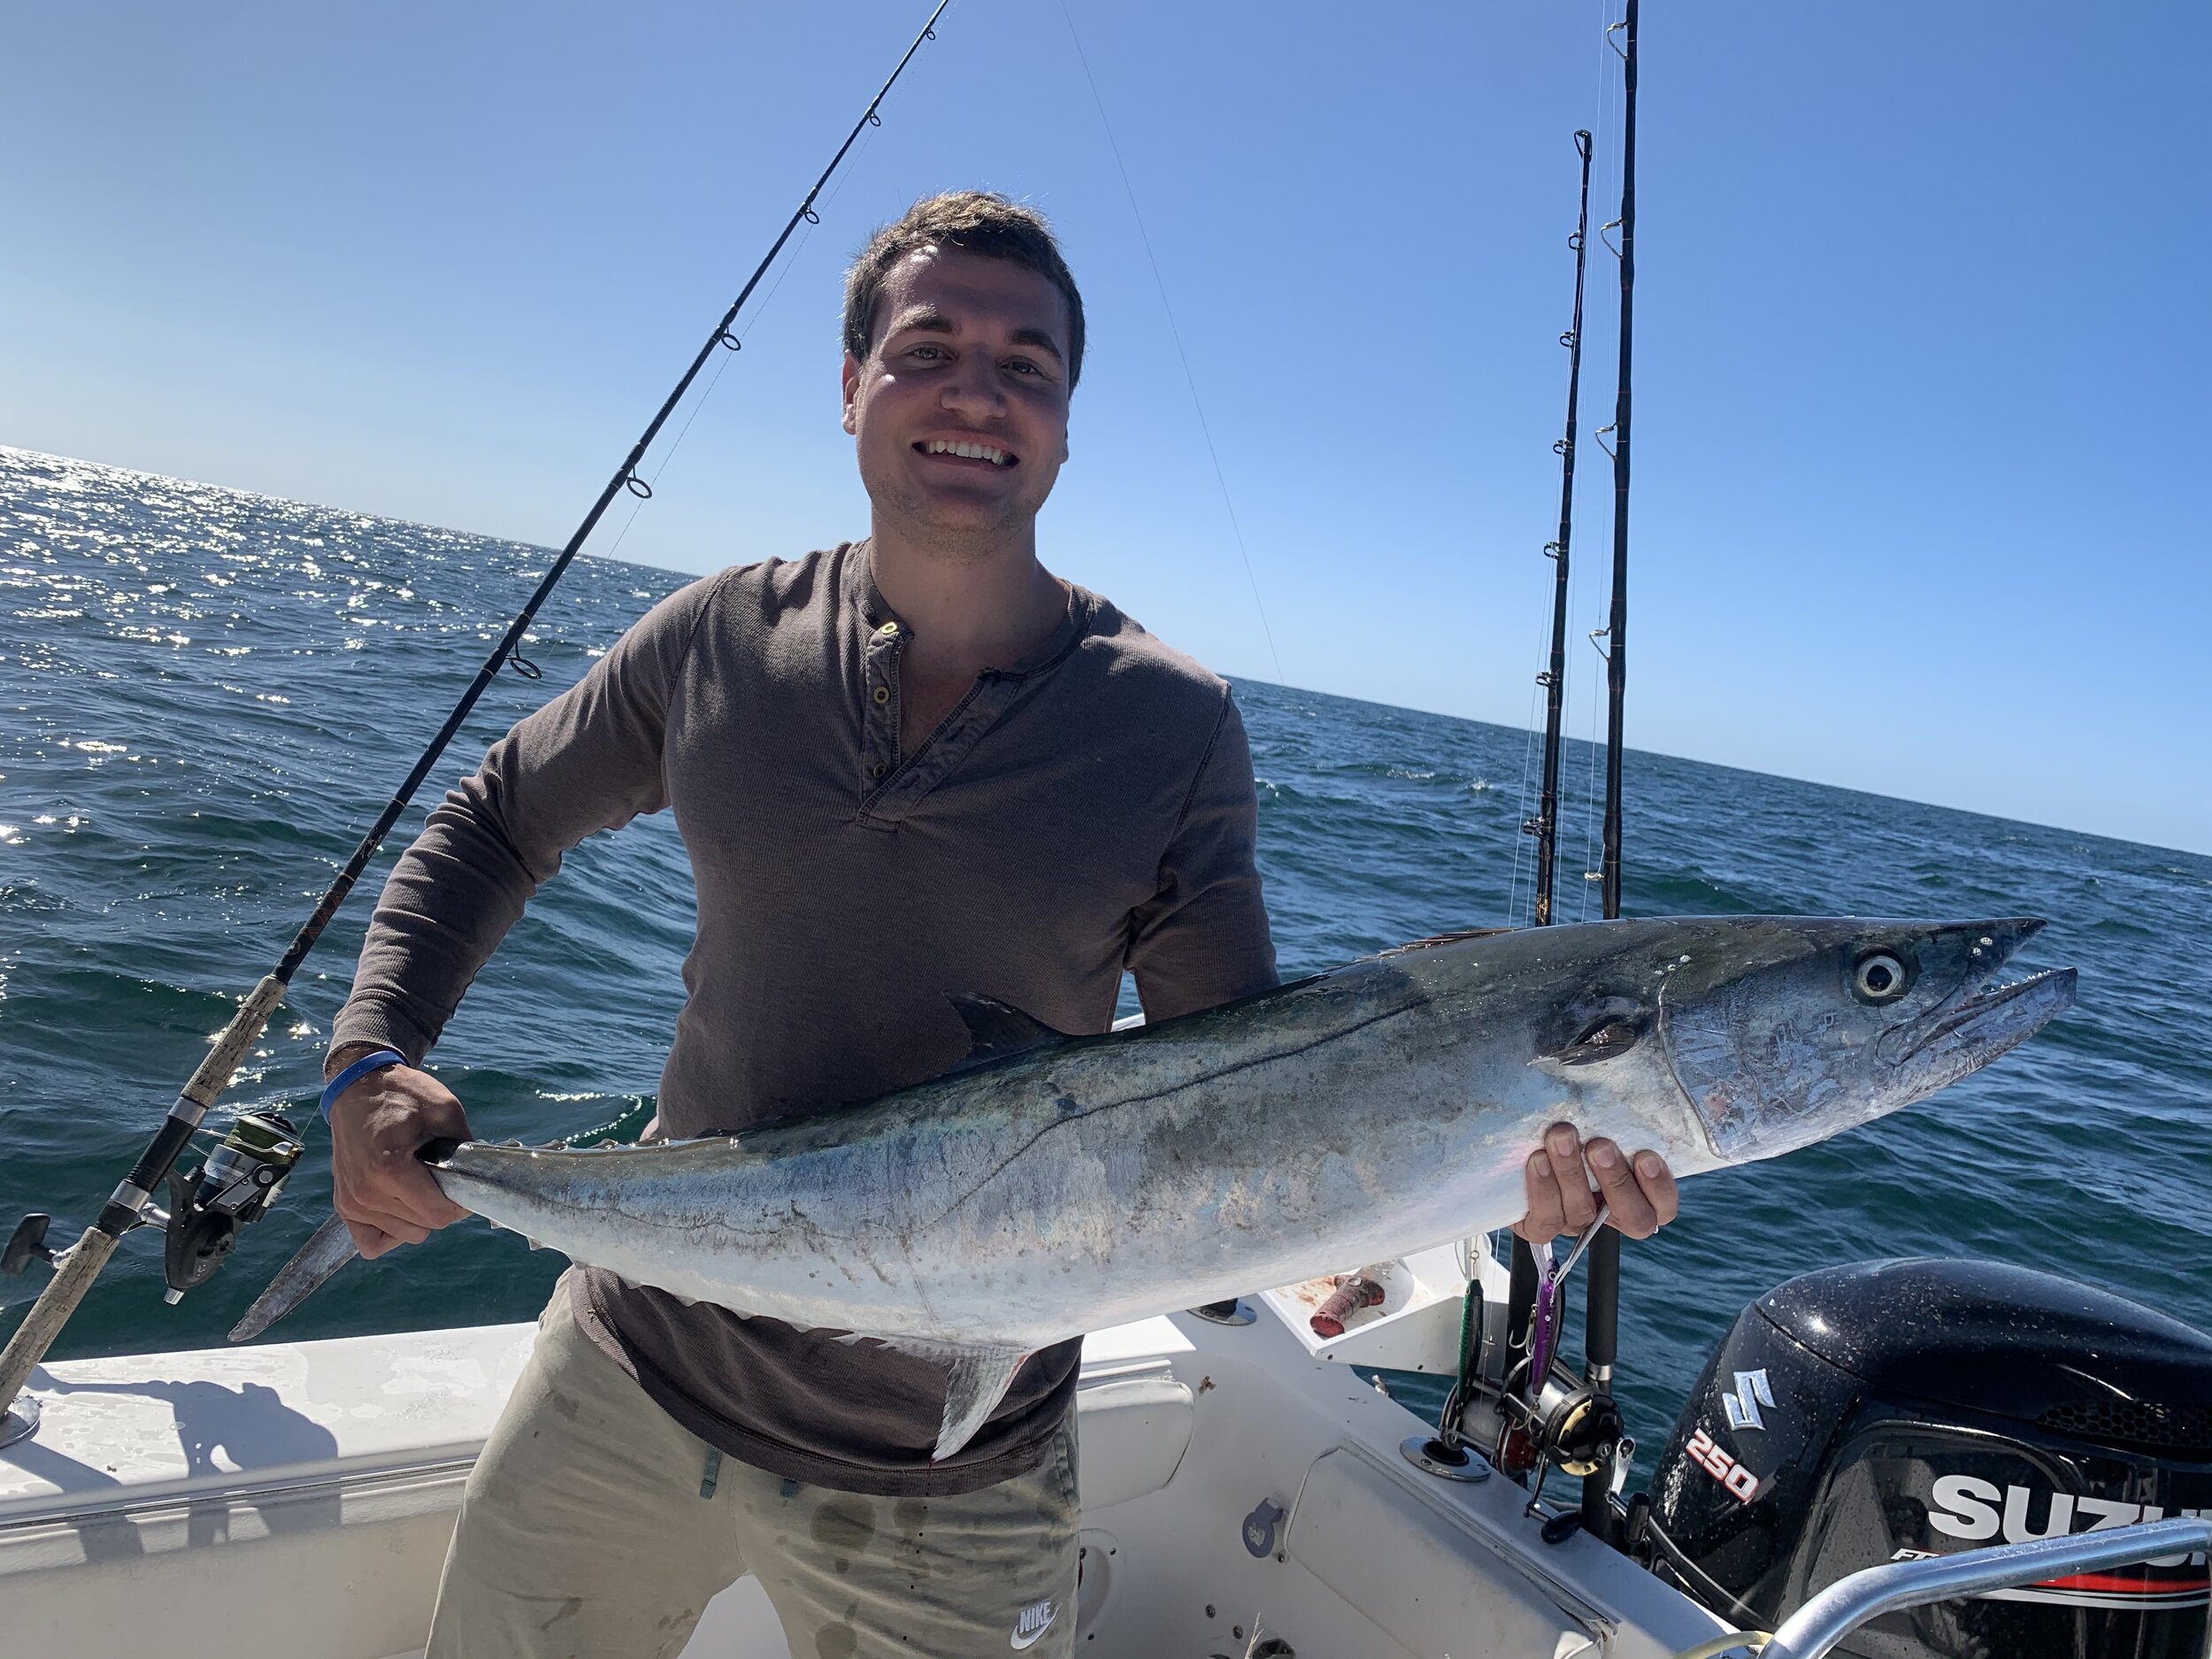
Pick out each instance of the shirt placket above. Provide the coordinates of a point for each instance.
(880, 708)
(905, 787)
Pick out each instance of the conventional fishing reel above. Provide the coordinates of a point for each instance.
(1539, 1415)
(1564, 1423)
(242, 1176)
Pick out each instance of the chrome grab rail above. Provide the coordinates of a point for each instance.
(1825, 1620)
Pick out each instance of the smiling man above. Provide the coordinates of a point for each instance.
(907, 767)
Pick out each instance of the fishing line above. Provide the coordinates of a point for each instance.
(1594, 745)
(1520, 832)
(1521, 828)
(720, 369)
(1591, 794)
(1189, 379)
(76, 1268)
(760, 313)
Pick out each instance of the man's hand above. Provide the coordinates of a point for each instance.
(385, 1196)
(1640, 1190)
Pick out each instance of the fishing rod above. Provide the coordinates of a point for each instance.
(1617, 624)
(1544, 825)
(1601, 1341)
(1544, 1417)
(1521, 1300)
(243, 1176)
(1544, 1408)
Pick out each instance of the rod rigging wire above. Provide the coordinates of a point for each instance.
(1528, 771)
(74, 1275)
(722, 367)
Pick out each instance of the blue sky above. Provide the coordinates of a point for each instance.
(1921, 330)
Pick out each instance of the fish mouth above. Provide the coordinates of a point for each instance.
(2000, 1014)
(1984, 1016)
(1782, 1055)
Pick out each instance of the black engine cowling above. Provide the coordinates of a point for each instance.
(1917, 1406)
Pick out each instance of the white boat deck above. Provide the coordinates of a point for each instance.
(295, 1500)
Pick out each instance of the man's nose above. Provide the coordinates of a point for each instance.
(971, 391)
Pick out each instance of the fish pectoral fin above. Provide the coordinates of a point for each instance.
(997, 1029)
(323, 1254)
(976, 1380)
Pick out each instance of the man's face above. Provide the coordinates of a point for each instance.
(961, 406)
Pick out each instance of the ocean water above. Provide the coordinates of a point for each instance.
(204, 696)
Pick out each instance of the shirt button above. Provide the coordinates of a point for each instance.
(883, 694)
(878, 770)
(888, 628)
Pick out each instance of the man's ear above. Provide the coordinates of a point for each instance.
(850, 387)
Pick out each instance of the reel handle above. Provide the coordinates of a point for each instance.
(28, 1241)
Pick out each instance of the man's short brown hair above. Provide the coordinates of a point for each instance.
(974, 221)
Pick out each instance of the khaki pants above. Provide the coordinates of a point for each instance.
(585, 1533)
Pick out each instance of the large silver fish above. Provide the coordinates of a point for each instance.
(1057, 1185)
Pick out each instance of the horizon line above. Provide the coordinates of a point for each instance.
(1313, 691)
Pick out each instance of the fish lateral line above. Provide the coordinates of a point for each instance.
(1066, 1119)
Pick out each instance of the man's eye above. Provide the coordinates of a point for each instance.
(1022, 365)
(928, 353)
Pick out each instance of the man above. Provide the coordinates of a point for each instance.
(910, 766)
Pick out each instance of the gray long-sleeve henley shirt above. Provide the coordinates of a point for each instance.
(1087, 810)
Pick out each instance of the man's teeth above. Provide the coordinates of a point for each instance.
(972, 451)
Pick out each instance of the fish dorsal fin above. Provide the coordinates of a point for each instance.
(1441, 939)
(975, 1382)
(997, 1029)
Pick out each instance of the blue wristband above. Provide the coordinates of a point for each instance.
(355, 1072)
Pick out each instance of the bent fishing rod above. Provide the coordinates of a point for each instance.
(1544, 825)
(243, 1175)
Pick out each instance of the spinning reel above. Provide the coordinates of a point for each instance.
(240, 1180)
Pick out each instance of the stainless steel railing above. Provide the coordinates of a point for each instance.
(1817, 1626)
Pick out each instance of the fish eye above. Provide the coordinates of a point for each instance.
(1879, 977)
(1600, 1039)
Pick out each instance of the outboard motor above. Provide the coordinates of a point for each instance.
(1912, 1407)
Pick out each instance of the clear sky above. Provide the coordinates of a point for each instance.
(1921, 327)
